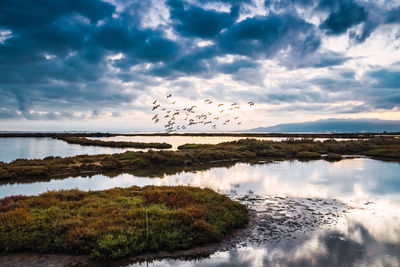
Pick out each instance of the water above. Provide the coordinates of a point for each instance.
(347, 179)
(37, 148)
(354, 202)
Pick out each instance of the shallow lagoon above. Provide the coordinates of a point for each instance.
(366, 234)
(12, 148)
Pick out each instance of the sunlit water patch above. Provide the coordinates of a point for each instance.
(352, 179)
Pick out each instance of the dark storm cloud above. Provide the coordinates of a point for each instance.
(347, 15)
(55, 55)
(384, 91)
(235, 66)
(193, 21)
(255, 38)
(386, 78)
(343, 15)
(264, 36)
(377, 89)
(393, 16)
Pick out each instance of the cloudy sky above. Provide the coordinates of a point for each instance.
(98, 65)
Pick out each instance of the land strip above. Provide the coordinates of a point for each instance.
(230, 134)
(116, 223)
(83, 141)
(243, 150)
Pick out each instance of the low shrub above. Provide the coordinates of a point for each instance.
(308, 155)
(116, 223)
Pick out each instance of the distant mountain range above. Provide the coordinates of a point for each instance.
(334, 125)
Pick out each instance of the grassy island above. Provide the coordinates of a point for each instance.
(116, 223)
(121, 144)
(243, 150)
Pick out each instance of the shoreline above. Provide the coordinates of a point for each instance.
(227, 134)
(114, 224)
(261, 216)
(190, 155)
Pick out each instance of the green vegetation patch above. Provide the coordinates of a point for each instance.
(390, 152)
(116, 223)
(308, 155)
(83, 141)
(244, 150)
(333, 157)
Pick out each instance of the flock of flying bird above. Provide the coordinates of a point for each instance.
(181, 119)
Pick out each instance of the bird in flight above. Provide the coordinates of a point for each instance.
(182, 118)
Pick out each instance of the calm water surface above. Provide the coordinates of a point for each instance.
(38, 148)
(368, 234)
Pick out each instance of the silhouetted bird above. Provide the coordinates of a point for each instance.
(168, 96)
(155, 107)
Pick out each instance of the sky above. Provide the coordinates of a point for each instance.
(99, 65)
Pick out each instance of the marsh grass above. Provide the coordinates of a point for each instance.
(116, 223)
(83, 141)
(243, 150)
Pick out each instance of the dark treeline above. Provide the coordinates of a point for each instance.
(243, 150)
(89, 142)
(55, 135)
(303, 135)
